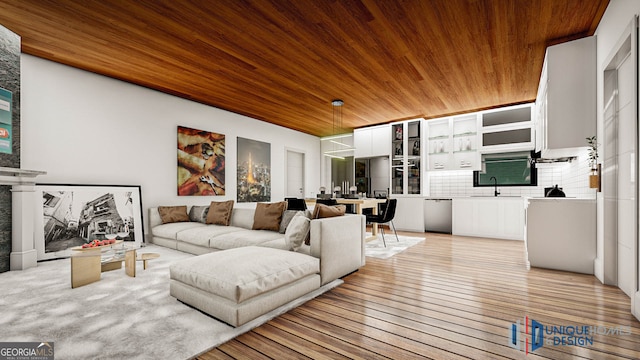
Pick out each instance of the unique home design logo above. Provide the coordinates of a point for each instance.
(537, 335)
(26, 351)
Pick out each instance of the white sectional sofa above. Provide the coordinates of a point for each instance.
(240, 273)
(337, 241)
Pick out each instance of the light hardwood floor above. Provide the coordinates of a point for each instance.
(448, 297)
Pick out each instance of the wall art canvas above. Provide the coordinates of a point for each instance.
(254, 170)
(201, 162)
(73, 215)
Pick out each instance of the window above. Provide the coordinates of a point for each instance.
(508, 169)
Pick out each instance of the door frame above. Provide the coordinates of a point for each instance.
(286, 169)
(628, 39)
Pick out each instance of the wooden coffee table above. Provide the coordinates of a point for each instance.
(87, 264)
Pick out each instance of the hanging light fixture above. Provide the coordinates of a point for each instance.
(337, 125)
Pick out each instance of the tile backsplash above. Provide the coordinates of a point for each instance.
(572, 177)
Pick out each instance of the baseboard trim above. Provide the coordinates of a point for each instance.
(635, 305)
(598, 269)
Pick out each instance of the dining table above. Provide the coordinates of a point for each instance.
(359, 204)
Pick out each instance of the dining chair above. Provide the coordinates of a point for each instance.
(386, 216)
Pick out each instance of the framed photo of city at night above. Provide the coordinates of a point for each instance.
(201, 162)
(254, 170)
(74, 215)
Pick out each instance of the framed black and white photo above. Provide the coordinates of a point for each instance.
(73, 215)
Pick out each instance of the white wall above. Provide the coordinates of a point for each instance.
(84, 128)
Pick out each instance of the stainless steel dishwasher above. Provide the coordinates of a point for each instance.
(437, 215)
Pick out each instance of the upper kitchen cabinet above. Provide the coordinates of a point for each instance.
(372, 141)
(566, 100)
(406, 158)
(453, 143)
(465, 142)
(439, 143)
(507, 129)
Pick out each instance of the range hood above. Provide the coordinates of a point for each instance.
(538, 159)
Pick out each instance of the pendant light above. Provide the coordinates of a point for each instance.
(337, 146)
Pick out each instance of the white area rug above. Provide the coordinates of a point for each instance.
(118, 317)
(375, 248)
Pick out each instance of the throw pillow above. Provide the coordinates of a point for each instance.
(286, 219)
(171, 214)
(325, 211)
(220, 212)
(199, 214)
(268, 216)
(297, 231)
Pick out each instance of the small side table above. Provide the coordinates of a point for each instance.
(145, 257)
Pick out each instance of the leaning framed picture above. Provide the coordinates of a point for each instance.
(73, 215)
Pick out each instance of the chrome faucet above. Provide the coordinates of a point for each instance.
(495, 184)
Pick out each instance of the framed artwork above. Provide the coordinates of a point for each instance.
(254, 170)
(72, 215)
(201, 162)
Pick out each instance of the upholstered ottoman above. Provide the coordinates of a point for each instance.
(238, 285)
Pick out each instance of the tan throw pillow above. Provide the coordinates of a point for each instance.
(268, 216)
(172, 214)
(326, 211)
(297, 231)
(220, 212)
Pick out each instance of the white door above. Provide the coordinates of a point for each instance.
(295, 174)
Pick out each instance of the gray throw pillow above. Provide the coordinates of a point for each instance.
(286, 219)
(199, 214)
(297, 231)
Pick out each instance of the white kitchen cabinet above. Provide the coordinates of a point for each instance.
(490, 217)
(465, 142)
(453, 143)
(372, 141)
(406, 159)
(439, 144)
(508, 129)
(566, 99)
(409, 213)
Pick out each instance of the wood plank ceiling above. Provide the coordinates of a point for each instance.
(283, 61)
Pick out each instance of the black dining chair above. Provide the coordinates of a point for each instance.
(386, 216)
(296, 204)
(328, 202)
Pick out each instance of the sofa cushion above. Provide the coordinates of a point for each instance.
(287, 215)
(199, 214)
(201, 235)
(325, 211)
(243, 238)
(220, 212)
(242, 217)
(172, 214)
(297, 231)
(268, 216)
(171, 231)
(243, 273)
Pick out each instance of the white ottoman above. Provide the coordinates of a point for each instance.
(238, 285)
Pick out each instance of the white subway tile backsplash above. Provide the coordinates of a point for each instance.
(572, 177)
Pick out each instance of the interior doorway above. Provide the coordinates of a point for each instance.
(620, 168)
(294, 165)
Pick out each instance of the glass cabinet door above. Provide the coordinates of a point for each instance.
(413, 157)
(397, 159)
(406, 163)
